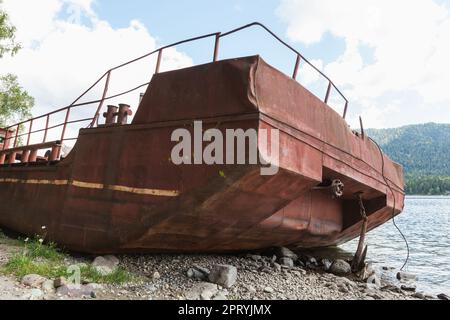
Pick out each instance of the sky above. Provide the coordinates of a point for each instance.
(389, 58)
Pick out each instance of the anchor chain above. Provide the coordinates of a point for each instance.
(361, 253)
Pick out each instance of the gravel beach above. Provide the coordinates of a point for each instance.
(278, 274)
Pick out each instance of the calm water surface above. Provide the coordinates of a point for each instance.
(426, 224)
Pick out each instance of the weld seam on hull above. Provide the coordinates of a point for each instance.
(98, 186)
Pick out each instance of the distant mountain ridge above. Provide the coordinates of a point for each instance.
(424, 152)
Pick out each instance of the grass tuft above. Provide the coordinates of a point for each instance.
(119, 276)
(48, 261)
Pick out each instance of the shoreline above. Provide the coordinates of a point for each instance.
(274, 276)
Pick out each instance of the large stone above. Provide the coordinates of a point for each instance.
(326, 264)
(106, 265)
(340, 268)
(282, 252)
(223, 275)
(392, 288)
(287, 262)
(34, 294)
(406, 277)
(202, 291)
(419, 295)
(254, 257)
(48, 286)
(198, 273)
(409, 287)
(33, 281)
(76, 291)
(443, 296)
(59, 282)
(374, 279)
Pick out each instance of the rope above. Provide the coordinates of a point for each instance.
(393, 209)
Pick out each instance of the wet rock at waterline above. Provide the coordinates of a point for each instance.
(408, 287)
(443, 296)
(407, 277)
(341, 268)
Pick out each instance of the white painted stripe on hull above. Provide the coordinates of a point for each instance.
(96, 186)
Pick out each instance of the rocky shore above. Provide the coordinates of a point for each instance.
(276, 275)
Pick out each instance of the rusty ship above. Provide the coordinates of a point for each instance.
(117, 190)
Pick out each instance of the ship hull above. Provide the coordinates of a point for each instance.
(119, 191)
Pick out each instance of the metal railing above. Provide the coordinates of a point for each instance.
(93, 121)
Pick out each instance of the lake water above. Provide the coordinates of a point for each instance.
(426, 224)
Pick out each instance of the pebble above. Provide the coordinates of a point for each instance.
(156, 275)
(268, 290)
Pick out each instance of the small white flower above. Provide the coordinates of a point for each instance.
(44, 227)
(27, 239)
(41, 240)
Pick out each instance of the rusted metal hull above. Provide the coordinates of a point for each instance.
(119, 191)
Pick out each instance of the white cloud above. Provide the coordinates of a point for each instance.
(410, 42)
(61, 57)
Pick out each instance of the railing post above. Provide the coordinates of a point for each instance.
(158, 61)
(327, 97)
(46, 129)
(363, 134)
(216, 47)
(7, 138)
(345, 110)
(29, 132)
(63, 133)
(100, 105)
(17, 135)
(297, 65)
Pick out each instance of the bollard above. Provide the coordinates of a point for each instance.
(124, 112)
(111, 115)
(25, 156)
(33, 156)
(54, 154)
(12, 157)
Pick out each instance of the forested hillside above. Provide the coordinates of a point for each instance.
(424, 152)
